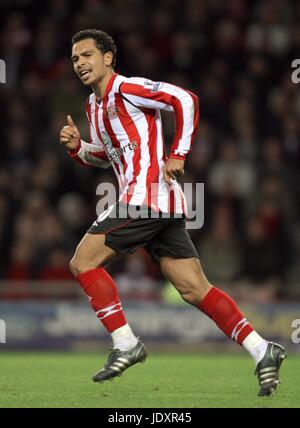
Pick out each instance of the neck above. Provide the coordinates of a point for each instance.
(100, 87)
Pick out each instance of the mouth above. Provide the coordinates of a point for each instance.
(85, 74)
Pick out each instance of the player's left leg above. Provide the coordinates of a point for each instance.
(187, 276)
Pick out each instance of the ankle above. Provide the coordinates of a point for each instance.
(123, 338)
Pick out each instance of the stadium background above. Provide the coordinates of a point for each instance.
(236, 55)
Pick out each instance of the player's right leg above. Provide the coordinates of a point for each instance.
(87, 267)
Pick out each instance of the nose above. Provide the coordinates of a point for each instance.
(80, 63)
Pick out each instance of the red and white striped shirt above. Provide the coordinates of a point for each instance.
(126, 132)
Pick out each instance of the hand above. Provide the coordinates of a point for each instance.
(69, 135)
(173, 169)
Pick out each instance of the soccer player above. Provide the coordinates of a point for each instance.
(126, 133)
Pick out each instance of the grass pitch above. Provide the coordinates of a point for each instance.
(34, 380)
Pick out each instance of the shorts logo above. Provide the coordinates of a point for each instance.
(153, 86)
(111, 111)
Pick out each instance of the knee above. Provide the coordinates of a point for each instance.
(74, 266)
(194, 293)
(78, 265)
(193, 297)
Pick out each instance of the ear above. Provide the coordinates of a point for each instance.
(108, 58)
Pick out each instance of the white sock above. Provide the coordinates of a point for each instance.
(255, 345)
(123, 338)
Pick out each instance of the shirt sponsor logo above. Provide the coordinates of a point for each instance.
(114, 153)
(119, 151)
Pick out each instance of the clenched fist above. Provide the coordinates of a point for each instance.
(69, 135)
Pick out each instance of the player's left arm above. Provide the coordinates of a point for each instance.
(165, 96)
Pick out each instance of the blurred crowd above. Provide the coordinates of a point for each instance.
(236, 55)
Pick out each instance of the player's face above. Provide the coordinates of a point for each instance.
(90, 64)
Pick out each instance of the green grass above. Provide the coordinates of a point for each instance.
(166, 380)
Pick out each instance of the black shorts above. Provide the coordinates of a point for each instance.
(126, 230)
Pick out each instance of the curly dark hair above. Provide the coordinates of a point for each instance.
(104, 41)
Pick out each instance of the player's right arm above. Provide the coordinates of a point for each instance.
(84, 153)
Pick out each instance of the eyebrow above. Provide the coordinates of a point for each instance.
(82, 53)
